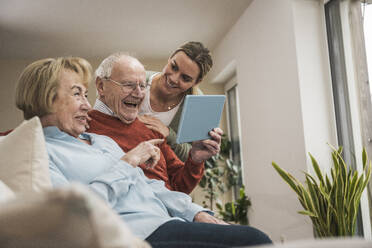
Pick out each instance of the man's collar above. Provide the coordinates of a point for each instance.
(103, 108)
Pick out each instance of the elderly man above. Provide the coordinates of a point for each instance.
(121, 84)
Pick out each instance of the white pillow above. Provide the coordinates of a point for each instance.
(63, 218)
(24, 162)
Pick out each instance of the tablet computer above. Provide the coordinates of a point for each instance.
(200, 114)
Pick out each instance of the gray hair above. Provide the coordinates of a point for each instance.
(105, 68)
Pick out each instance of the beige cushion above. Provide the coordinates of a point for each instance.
(340, 242)
(24, 160)
(63, 218)
(5, 193)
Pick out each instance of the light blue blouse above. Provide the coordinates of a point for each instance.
(144, 204)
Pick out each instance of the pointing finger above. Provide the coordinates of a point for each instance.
(156, 141)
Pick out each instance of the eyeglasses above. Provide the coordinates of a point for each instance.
(129, 86)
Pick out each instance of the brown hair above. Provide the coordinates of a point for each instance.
(38, 84)
(199, 54)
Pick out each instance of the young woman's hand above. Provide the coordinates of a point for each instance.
(204, 149)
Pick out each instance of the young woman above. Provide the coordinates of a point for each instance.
(162, 107)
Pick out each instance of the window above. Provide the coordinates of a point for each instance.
(367, 26)
(233, 120)
(353, 108)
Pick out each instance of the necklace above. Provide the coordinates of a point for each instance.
(175, 104)
(172, 106)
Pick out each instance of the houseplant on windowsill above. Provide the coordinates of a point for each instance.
(332, 203)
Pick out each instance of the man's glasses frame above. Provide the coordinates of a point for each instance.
(129, 86)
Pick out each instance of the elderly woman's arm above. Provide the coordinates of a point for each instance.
(178, 204)
(56, 176)
(101, 185)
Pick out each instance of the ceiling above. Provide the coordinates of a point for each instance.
(148, 29)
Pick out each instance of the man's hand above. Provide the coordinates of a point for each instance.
(204, 149)
(155, 124)
(88, 120)
(146, 152)
(207, 218)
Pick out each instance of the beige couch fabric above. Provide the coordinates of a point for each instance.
(62, 218)
(323, 243)
(5, 193)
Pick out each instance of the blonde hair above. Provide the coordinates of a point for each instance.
(38, 84)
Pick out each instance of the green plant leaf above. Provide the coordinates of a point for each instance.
(286, 177)
(364, 158)
(317, 169)
(306, 212)
(328, 183)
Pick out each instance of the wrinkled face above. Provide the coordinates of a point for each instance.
(71, 105)
(123, 101)
(180, 74)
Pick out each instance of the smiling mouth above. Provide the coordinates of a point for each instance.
(171, 84)
(82, 118)
(131, 104)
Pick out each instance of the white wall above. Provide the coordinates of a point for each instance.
(9, 71)
(279, 48)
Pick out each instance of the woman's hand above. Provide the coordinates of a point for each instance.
(204, 149)
(207, 218)
(155, 124)
(146, 152)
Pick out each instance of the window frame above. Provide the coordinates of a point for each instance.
(233, 84)
(352, 103)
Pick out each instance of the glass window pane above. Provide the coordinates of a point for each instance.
(367, 22)
(233, 126)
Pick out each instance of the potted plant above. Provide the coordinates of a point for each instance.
(212, 181)
(332, 203)
(236, 211)
(221, 174)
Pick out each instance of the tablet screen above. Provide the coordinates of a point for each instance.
(200, 114)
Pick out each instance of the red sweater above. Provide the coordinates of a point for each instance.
(177, 175)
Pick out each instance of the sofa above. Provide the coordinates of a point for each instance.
(33, 214)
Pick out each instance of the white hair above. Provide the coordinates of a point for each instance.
(105, 68)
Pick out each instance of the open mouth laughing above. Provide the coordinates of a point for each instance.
(82, 118)
(131, 103)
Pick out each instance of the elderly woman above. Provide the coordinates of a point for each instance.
(55, 90)
(162, 107)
